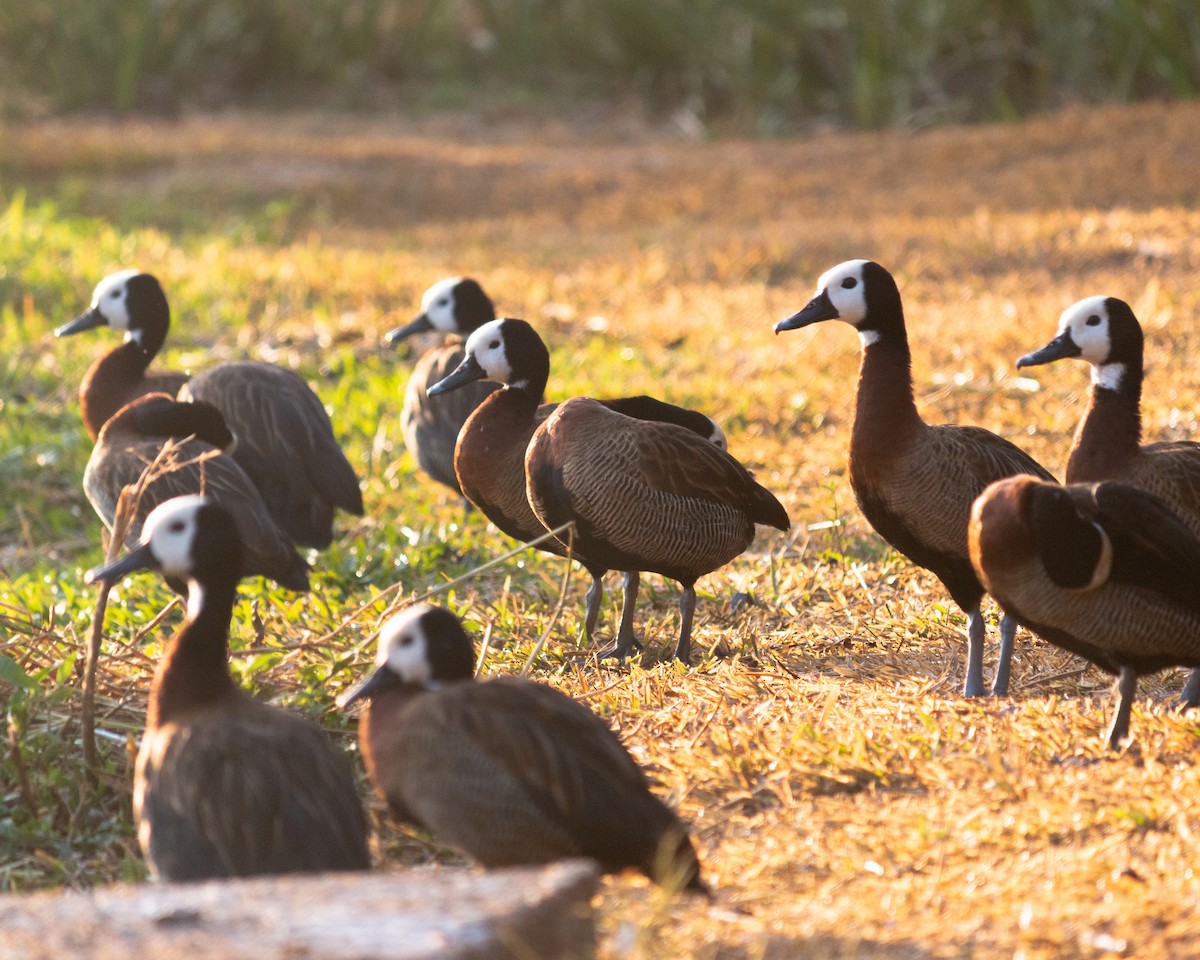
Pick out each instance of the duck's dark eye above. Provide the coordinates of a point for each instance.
(442, 302)
(494, 344)
(850, 283)
(405, 641)
(176, 526)
(115, 294)
(1093, 321)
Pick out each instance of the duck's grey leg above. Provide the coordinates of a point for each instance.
(687, 608)
(1118, 730)
(625, 639)
(595, 596)
(1008, 635)
(975, 634)
(1191, 691)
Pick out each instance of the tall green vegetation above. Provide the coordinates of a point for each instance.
(765, 64)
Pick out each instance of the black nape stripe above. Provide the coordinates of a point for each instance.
(1068, 544)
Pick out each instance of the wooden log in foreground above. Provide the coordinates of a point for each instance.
(418, 914)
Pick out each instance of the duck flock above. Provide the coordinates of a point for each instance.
(245, 469)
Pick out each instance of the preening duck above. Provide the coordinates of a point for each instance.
(285, 441)
(1107, 571)
(133, 438)
(226, 785)
(914, 482)
(489, 458)
(509, 770)
(455, 307)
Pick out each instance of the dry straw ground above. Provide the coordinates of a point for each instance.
(846, 800)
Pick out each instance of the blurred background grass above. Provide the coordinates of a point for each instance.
(762, 66)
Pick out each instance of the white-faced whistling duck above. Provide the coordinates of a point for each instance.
(1106, 571)
(454, 307)
(1108, 444)
(914, 482)
(226, 785)
(509, 770)
(490, 455)
(132, 439)
(645, 495)
(285, 441)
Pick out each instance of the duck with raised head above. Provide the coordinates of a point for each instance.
(1108, 443)
(225, 785)
(913, 481)
(133, 438)
(489, 458)
(509, 770)
(1106, 571)
(454, 307)
(285, 441)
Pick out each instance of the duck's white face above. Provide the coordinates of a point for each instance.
(170, 531)
(486, 345)
(1087, 323)
(437, 304)
(111, 299)
(844, 287)
(404, 646)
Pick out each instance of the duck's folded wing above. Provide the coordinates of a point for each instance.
(285, 443)
(1152, 547)
(678, 461)
(988, 456)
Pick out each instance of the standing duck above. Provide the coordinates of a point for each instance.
(285, 441)
(1104, 332)
(454, 306)
(133, 438)
(509, 770)
(915, 482)
(1108, 443)
(1106, 571)
(489, 458)
(645, 495)
(226, 785)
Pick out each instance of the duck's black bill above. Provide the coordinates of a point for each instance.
(420, 325)
(1061, 346)
(89, 321)
(376, 683)
(818, 308)
(139, 558)
(468, 371)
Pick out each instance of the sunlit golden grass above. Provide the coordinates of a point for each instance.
(846, 800)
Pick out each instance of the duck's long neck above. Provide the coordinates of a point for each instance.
(514, 407)
(195, 669)
(111, 382)
(1111, 431)
(518, 402)
(885, 414)
(532, 388)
